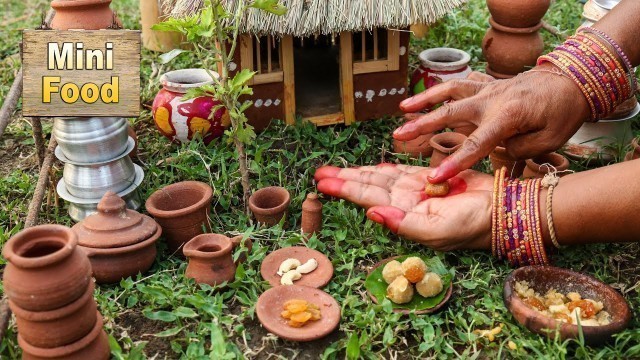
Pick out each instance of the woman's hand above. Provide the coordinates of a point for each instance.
(532, 114)
(394, 196)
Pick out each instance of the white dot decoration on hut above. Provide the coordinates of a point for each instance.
(382, 92)
(401, 91)
(268, 103)
(232, 66)
(393, 91)
(276, 102)
(358, 95)
(258, 103)
(370, 95)
(403, 50)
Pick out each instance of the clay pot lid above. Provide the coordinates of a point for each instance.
(318, 278)
(270, 305)
(114, 225)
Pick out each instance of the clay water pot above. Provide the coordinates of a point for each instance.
(269, 204)
(444, 144)
(536, 168)
(248, 244)
(500, 158)
(510, 51)
(62, 326)
(45, 270)
(83, 14)
(518, 13)
(415, 148)
(93, 346)
(210, 259)
(311, 215)
(182, 211)
(635, 151)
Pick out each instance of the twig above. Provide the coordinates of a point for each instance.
(41, 186)
(5, 315)
(38, 138)
(10, 102)
(552, 29)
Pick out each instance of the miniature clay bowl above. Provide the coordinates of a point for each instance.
(270, 305)
(543, 278)
(318, 278)
(447, 296)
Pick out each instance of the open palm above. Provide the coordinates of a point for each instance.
(394, 197)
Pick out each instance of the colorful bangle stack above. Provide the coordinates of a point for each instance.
(515, 221)
(605, 79)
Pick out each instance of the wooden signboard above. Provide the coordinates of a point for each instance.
(81, 73)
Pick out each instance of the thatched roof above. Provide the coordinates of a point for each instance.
(307, 17)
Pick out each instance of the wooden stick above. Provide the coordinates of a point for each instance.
(375, 44)
(41, 186)
(10, 102)
(38, 138)
(5, 315)
(552, 29)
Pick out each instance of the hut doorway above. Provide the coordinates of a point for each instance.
(317, 75)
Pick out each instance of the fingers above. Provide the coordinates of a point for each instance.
(452, 89)
(364, 195)
(449, 115)
(365, 177)
(478, 76)
(388, 216)
(412, 225)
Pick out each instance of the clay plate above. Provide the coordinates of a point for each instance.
(446, 298)
(318, 278)
(543, 278)
(269, 307)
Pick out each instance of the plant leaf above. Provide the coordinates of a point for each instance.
(168, 56)
(270, 6)
(161, 316)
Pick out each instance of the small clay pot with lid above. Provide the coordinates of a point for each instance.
(415, 148)
(518, 13)
(182, 211)
(83, 14)
(445, 144)
(500, 158)
(119, 242)
(510, 51)
(311, 215)
(541, 165)
(210, 259)
(45, 270)
(269, 204)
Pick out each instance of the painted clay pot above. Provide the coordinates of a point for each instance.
(415, 148)
(269, 204)
(83, 14)
(94, 346)
(438, 65)
(518, 13)
(182, 211)
(536, 167)
(500, 158)
(180, 120)
(210, 259)
(635, 151)
(445, 144)
(119, 242)
(45, 270)
(510, 51)
(58, 327)
(248, 245)
(311, 215)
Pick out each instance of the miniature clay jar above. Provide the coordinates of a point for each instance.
(510, 51)
(119, 242)
(45, 270)
(536, 167)
(445, 144)
(311, 214)
(438, 65)
(179, 120)
(210, 259)
(83, 14)
(500, 158)
(518, 13)
(62, 326)
(248, 244)
(182, 211)
(415, 148)
(635, 151)
(269, 204)
(94, 346)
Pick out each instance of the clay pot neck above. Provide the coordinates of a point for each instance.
(547, 162)
(447, 142)
(72, 4)
(181, 81)
(511, 30)
(208, 247)
(40, 246)
(444, 59)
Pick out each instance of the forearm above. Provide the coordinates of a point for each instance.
(622, 25)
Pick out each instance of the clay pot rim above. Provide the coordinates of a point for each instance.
(49, 315)
(158, 213)
(42, 233)
(272, 210)
(537, 164)
(465, 58)
(436, 140)
(56, 4)
(65, 350)
(173, 85)
(190, 249)
(117, 251)
(511, 30)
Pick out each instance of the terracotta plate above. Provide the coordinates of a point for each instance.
(270, 305)
(318, 278)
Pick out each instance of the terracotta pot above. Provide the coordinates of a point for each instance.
(62, 326)
(179, 120)
(623, 110)
(444, 144)
(311, 215)
(415, 148)
(510, 51)
(635, 151)
(500, 158)
(83, 14)
(269, 204)
(438, 65)
(45, 269)
(182, 211)
(94, 346)
(132, 133)
(210, 259)
(536, 168)
(248, 244)
(518, 13)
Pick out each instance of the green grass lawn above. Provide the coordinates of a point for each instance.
(162, 314)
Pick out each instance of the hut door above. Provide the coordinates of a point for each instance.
(346, 77)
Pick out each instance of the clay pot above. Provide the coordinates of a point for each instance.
(94, 346)
(510, 51)
(518, 13)
(182, 211)
(62, 326)
(444, 144)
(45, 269)
(311, 215)
(500, 158)
(536, 168)
(83, 14)
(210, 259)
(438, 65)
(415, 148)
(623, 110)
(269, 204)
(248, 244)
(635, 151)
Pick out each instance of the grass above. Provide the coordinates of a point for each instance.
(163, 313)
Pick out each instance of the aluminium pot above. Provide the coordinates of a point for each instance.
(91, 140)
(93, 181)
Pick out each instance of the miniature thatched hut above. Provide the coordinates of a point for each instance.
(329, 61)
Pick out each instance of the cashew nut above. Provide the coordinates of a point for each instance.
(287, 265)
(307, 267)
(289, 277)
